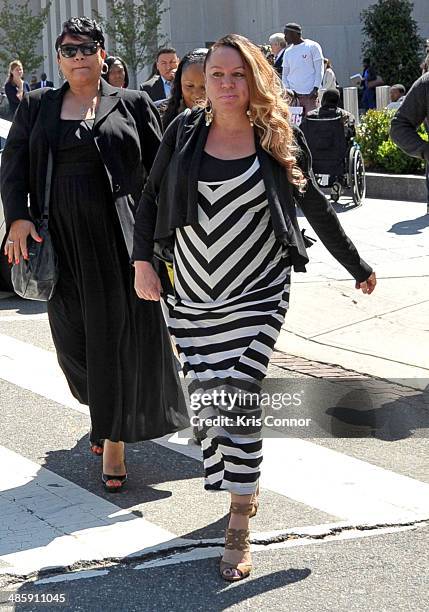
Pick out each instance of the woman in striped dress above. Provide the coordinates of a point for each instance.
(220, 195)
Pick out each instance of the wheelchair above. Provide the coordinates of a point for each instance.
(337, 161)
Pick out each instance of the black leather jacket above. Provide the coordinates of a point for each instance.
(170, 199)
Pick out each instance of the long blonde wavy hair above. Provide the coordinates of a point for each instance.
(268, 106)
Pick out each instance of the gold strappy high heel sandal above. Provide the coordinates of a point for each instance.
(238, 539)
(255, 503)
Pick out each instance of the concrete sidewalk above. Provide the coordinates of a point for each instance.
(385, 334)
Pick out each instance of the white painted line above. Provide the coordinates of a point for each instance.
(48, 521)
(336, 483)
(72, 576)
(37, 370)
(7, 318)
(216, 550)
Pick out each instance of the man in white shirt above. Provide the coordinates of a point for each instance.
(302, 67)
(397, 96)
(278, 46)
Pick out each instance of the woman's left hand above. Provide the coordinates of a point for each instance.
(367, 286)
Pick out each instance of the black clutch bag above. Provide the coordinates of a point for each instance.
(35, 278)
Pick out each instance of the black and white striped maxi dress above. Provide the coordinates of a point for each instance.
(231, 285)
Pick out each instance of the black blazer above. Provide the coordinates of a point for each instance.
(38, 85)
(154, 87)
(127, 133)
(278, 64)
(170, 199)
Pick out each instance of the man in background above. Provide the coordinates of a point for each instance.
(159, 86)
(329, 109)
(278, 46)
(43, 82)
(302, 67)
(397, 96)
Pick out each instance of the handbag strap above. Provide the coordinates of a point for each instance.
(45, 214)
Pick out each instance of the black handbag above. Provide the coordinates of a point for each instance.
(35, 278)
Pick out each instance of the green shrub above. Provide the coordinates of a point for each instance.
(391, 40)
(379, 151)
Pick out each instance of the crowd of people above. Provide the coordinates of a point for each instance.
(200, 169)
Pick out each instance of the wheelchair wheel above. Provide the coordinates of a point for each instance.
(357, 179)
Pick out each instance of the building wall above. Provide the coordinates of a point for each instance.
(335, 24)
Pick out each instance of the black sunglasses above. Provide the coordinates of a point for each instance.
(89, 48)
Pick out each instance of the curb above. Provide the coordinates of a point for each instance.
(404, 187)
(332, 372)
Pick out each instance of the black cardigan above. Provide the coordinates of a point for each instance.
(170, 199)
(127, 133)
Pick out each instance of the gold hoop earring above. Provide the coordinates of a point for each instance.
(208, 113)
(104, 68)
(249, 115)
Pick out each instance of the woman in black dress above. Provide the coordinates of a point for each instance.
(113, 348)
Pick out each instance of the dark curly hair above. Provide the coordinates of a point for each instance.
(81, 26)
(112, 59)
(175, 102)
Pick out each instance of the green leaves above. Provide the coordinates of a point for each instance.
(133, 30)
(392, 41)
(20, 32)
(379, 151)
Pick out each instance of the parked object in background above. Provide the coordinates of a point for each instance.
(337, 160)
(382, 96)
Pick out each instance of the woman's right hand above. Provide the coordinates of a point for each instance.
(146, 281)
(16, 242)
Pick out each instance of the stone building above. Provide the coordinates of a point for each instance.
(335, 24)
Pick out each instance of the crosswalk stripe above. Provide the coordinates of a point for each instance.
(48, 521)
(333, 482)
(328, 480)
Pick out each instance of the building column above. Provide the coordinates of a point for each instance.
(87, 9)
(102, 9)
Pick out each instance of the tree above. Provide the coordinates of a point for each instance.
(20, 33)
(392, 41)
(133, 31)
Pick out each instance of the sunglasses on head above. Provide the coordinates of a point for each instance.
(89, 48)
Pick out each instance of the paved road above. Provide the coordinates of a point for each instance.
(344, 511)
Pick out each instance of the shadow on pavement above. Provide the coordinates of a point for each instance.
(24, 307)
(410, 226)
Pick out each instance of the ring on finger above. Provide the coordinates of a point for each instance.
(11, 241)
